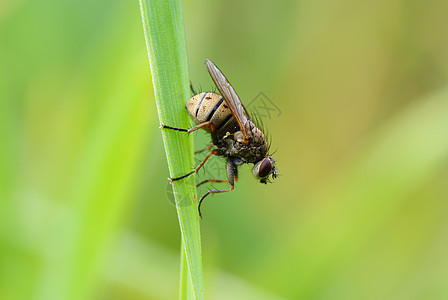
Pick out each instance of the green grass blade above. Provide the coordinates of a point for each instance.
(165, 40)
(185, 285)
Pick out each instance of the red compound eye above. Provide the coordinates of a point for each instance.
(265, 168)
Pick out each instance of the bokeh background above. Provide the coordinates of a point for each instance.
(361, 132)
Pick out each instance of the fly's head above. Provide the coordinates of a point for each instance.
(264, 168)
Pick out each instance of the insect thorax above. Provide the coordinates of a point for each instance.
(232, 145)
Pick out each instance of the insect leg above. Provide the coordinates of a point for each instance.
(203, 149)
(213, 152)
(209, 123)
(192, 89)
(230, 170)
(211, 180)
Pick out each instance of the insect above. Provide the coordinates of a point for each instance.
(233, 133)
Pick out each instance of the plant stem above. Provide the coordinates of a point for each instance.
(165, 41)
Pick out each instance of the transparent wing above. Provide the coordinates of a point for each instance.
(229, 94)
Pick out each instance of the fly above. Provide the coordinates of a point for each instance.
(233, 133)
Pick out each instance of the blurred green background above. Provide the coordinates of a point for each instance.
(359, 210)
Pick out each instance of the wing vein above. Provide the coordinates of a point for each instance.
(229, 95)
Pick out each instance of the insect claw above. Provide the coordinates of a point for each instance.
(170, 179)
(161, 126)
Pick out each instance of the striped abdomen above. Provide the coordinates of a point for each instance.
(212, 107)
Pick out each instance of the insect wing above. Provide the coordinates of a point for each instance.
(229, 94)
